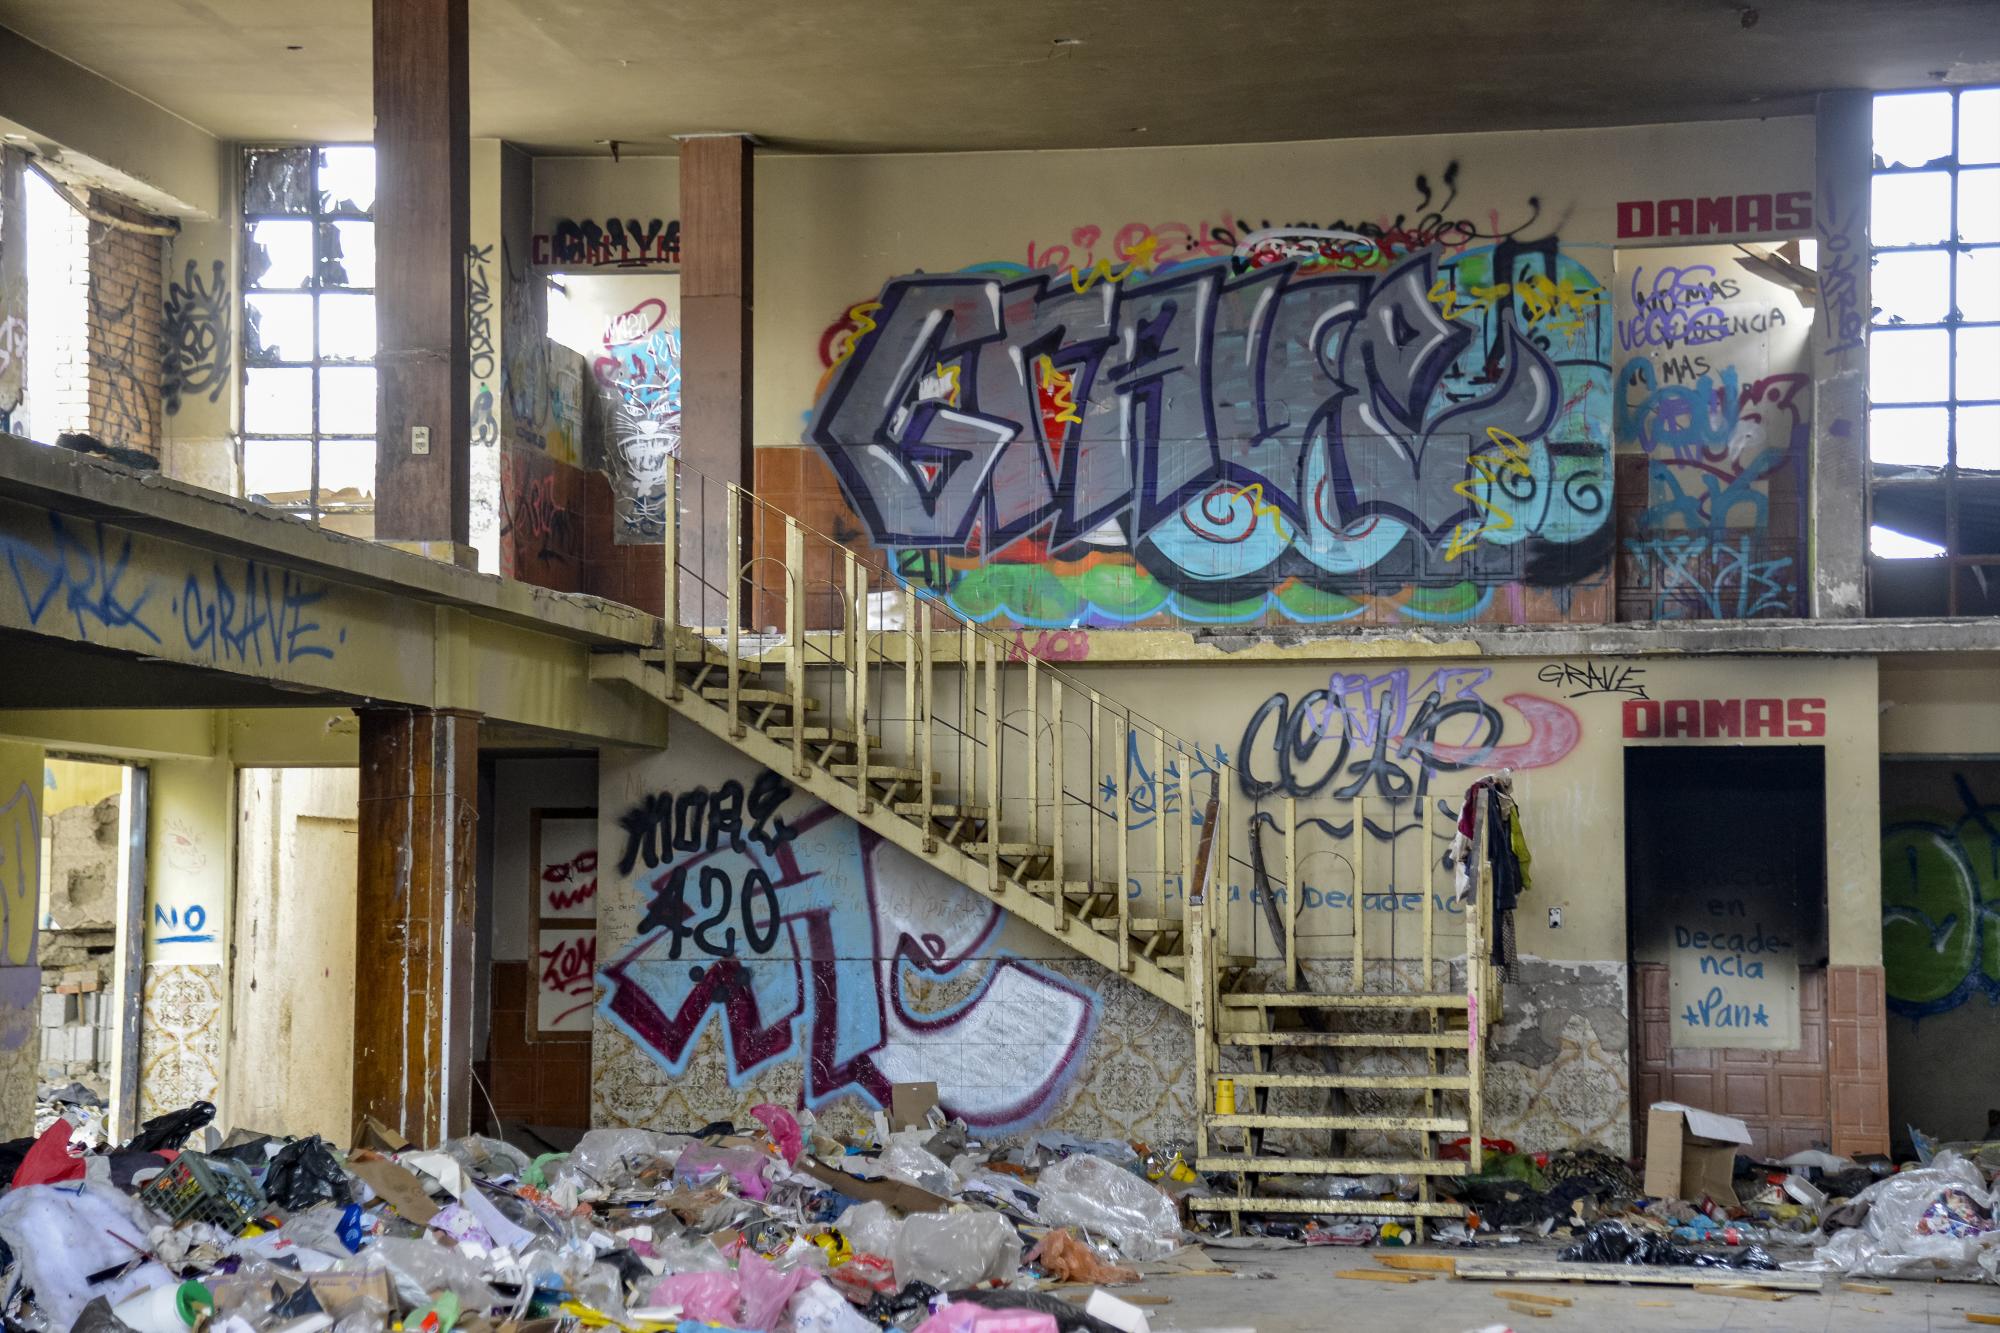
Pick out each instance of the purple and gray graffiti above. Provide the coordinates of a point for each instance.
(813, 940)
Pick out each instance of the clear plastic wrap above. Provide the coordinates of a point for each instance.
(953, 1250)
(818, 1308)
(610, 1159)
(744, 1166)
(1934, 1221)
(871, 1228)
(421, 1268)
(1107, 1200)
(905, 1158)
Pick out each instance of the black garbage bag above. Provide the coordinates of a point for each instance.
(98, 1318)
(1069, 1318)
(1612, 1242)
(888, 1309)
(304, 1173)
(173, 1129)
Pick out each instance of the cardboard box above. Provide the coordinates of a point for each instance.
(910, 1105)
(1691, 1153)
(896, 1194)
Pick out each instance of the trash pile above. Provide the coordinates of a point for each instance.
(771, 1228)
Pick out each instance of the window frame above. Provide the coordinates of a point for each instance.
(1947, 479)
(319, 219)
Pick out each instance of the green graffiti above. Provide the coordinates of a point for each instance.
(1941, 908)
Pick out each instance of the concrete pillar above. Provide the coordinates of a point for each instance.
(716, 307)
(422, 228)
(1843, 153)
(414, 920)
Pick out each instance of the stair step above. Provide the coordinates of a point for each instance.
(818, 732)
(1034, 851)
(1230, 1203)
(1153, 925)
(1292, 999)
(1330, 1166)
(1177, 962)
(880, 773)
(1407, 1082)
(1440, 1041)
(940, 811)
(1424, 1124)
(720, 694)
(1085, 888)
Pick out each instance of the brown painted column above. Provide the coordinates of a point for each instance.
(414, 921)
(716, 306)
(423, 199)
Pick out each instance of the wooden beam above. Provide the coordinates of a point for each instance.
(423, 222)
(414, 921)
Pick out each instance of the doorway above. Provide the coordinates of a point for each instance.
(291, 1031)
(93, 850)
(1725, 882)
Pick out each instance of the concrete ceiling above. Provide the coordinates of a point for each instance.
(897, 75)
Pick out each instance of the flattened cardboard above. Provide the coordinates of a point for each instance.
(398, 1184)
(895, 1194)
(910, 1105)
(1684, 1164)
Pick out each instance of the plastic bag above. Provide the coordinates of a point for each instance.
(870, 1228)
(953, 1250)
(818, 1308)
(1613, 1242)
(48, 1161)
(783, 1128)
(1934, 1221)
(613, 1158)
(421, 1268)
(707, 1296)
(745, 1166)
(173, 1129)
(767, 1289)
(906, 1159)
(62, 1235)
(304, 1173)
(1109, 1201)
(487, 1157)
(1066, 1257)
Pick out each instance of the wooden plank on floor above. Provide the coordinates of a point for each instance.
(1418, 1263)
(1555, 1270)
(1533, 1297)
(1380, 1275)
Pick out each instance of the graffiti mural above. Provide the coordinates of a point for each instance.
(807, 938)
(1714, 421)
(1318, 424)
(640, 374)
(1941, 905)
(194, 355)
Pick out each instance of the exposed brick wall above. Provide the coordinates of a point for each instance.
(124, 315)
(542, 1080)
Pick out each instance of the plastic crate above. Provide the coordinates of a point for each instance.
(205, 1189)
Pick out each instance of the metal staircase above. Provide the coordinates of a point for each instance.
(953, 743)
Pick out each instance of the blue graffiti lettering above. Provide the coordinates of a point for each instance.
(264, 622)
(80, 575)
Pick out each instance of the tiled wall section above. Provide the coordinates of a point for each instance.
(180, 1050)
(1781, 1095)
(555, 532)
(1858, 1047)
(542, 1081)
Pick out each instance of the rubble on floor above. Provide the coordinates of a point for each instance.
(777, 1227)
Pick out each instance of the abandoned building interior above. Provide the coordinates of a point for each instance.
(569, 571)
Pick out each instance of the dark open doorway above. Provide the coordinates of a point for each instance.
(1725, 882)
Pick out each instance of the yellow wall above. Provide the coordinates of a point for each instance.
(21, 785)
(831, 230)
(69, 784)
(1941, 705)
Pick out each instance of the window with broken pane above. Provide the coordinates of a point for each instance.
(309, 332)
(1934, 354)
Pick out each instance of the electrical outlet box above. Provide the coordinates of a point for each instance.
(420, 439)
(1555, 918)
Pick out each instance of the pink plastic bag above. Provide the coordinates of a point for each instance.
(965, 1317)
(783, 1128)
(710, 1297)
(767, 1290)
(744, 1165)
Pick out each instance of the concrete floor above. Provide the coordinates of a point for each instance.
(1302, 1294)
